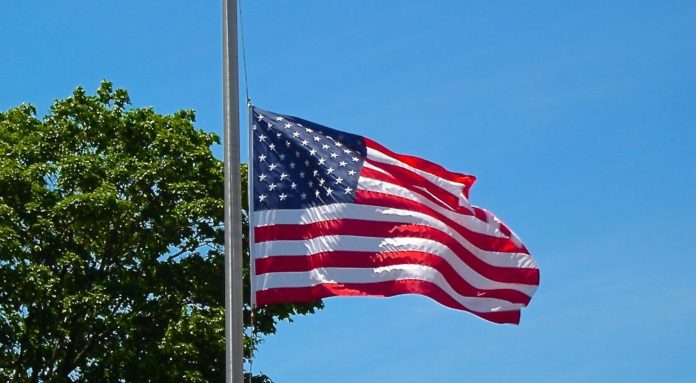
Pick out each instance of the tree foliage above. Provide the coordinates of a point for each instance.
(111, 262)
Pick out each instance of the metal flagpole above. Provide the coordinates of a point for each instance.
(232, 210)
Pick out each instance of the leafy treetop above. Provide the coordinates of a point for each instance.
(111, 261)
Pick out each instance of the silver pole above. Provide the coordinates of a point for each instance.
(234, 352)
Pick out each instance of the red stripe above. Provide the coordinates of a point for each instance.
(479, 213)
(425, 165)
(378, 289)
(480, 240)
(483, 214)
(378, 229)
(379, 176)
(367, 260)
(414, 180)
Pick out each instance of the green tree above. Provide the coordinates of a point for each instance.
(111, 262)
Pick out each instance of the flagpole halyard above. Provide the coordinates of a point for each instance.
(234, 349)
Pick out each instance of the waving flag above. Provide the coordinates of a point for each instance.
(336, 214)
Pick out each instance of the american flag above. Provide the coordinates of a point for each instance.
(337, 214)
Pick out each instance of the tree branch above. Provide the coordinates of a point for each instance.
(80, 354)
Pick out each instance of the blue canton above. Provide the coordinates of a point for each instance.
(299, 164)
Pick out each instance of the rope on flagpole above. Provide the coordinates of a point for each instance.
(244, 62)
(250, 178)
(253, 342)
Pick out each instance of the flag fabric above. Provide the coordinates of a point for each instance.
(337, 214)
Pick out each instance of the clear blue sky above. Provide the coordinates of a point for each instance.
(578, 118)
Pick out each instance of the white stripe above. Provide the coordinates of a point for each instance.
(330, 243)
(452, 187)
(467, 221)
(495, 221)
(317, 245)
(381, 274)
(373, 167)
(372, 213)
(449, 186)
(385, 214)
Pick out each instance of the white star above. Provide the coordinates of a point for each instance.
(316, 173)
(308, 130)
(269, 125)
(325, 146)
(329, 191)
(351, 173)
(283, 196)
(262, 196)
(278, 135)
(316, 193)
(279, 118)
(313, 152)
(262, 138)
(283, 176)
(287, 143)
(339, 180)
(330, 170)
(262, 177)
(262, 157)
(338, 144)
(317, 138)
(295, 134)
(348, 190)
(272, 187)
(346, 151)
(260, 117)
(272, 166)
(305, 142)
(310, 183)
(303, 195)
(293, 186)
(342, 163)
(302, 174)
(288, 125)
(334, 155)
(321, 161)
(321, 181)
(272, 147)
(282, 156)
(292, 165)
(355, 159)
